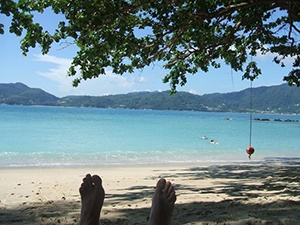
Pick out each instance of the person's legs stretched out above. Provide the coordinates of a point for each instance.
(92, 197)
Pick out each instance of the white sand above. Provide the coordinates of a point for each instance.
(206, 194)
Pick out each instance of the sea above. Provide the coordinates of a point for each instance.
(47, 136)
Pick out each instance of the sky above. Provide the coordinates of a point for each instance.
(49, 72)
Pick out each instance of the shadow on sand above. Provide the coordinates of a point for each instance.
(241, 183)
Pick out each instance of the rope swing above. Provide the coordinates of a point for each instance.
(250, 149)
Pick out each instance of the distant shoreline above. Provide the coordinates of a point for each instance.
(274, 99)
(88, 107)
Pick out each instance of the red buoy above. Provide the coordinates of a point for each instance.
(250, 151)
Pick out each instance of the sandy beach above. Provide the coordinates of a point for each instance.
(249, 193)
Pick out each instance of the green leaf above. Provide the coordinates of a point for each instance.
(184, 36)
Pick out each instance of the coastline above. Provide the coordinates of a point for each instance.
(207, 193)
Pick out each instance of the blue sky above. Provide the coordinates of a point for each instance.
(49, 72)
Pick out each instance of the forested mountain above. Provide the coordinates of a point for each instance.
(274, 99)
(20, 94)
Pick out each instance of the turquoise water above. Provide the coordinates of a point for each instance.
(56, 136)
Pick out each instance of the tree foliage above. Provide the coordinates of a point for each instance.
(187, 36)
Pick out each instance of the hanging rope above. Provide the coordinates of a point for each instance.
(250, 149)
(232, 81)
(251, 106)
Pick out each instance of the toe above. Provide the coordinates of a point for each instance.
(160, 185)
(88, 181)
(96, 180)
(168, 188)
(83, 189)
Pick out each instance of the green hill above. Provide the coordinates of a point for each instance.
(20, 94)
(274, 99)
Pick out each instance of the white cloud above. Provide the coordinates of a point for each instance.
(103, 85)
(59, 72)
(143, 79)
(193, 91)
(270, 56)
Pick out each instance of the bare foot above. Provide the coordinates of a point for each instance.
(92, 197)
(162, 203)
